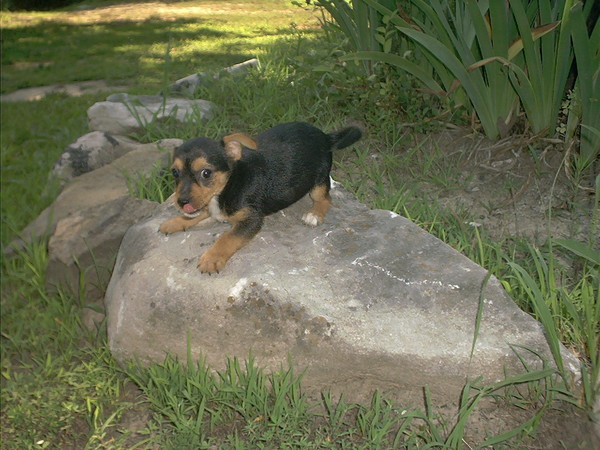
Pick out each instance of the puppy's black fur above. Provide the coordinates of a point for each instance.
(242, 180)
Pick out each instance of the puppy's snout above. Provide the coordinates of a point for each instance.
(182, 201)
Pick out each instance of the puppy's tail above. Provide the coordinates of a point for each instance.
(345, 137)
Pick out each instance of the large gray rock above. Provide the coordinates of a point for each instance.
(88, 219)
(88, 240)
(367, 300)
(124, 114)
(101, 186)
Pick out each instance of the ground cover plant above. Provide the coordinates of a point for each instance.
(60, 386)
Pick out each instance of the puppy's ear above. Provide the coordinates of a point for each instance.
(243, 139)
(233, 150)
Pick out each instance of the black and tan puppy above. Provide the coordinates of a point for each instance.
(241, 180)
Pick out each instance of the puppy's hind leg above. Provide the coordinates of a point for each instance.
(321, 203)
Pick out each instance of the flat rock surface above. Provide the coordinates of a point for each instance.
(366, 300)
(124, 114)
(71, 89)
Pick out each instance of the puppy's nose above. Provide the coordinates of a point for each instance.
(183, 201)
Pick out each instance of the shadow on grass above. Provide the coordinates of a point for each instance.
(142, 53)
(117, 51)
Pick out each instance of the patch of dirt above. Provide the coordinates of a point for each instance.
(130, 430)
(568, 428)
(516, 187)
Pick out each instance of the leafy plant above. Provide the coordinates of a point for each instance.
(363, 26)
(539, 75)
(472, 50)
(567, 313)
(587, 58)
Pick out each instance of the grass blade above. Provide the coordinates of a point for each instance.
(543, 312)
(479, 311)
(580, 249)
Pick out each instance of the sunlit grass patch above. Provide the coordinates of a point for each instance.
(118, 44)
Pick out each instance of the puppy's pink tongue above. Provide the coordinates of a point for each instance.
(188, 208)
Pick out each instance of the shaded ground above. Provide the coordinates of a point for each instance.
(520, 187)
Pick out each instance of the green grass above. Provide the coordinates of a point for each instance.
(243, 407)
(50, 47)
(55, 378)
(60, 385)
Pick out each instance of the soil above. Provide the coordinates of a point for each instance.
(519, 187)
(516, 187)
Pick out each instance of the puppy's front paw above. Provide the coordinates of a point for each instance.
(312, 219)
(172, 226)
(212, 261)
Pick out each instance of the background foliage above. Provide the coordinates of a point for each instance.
(494, 59)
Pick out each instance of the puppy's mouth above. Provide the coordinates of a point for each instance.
(190, 211)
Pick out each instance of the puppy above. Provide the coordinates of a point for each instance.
(241, 180)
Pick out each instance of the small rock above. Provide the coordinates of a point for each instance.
(190, 84)
(92, 318)
(124, 114)
(71, 89)
(88, 240)
(90, 152)
(89, 217)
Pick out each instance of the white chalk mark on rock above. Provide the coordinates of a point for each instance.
(362, 262)
(236, 290)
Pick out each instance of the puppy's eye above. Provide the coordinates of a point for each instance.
(206, 173)
(175, 173)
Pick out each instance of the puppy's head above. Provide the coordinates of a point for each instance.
(201, 168)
